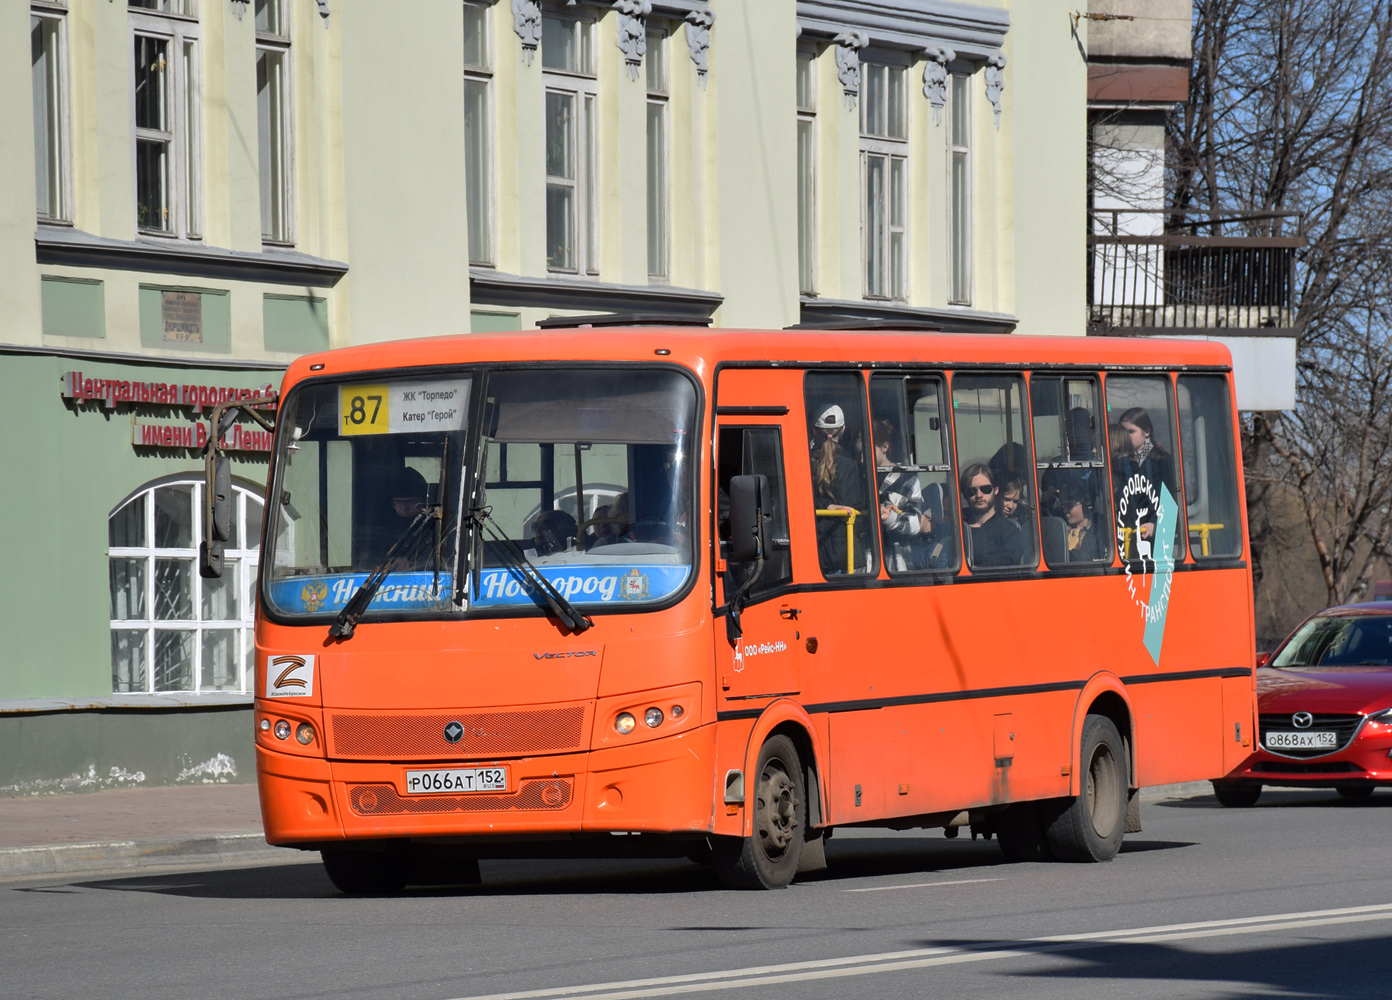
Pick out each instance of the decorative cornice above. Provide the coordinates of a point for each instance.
(935, 78)
(493, 288)
(633, 32)
(975, 31)
(995, 84)
(74, 248)
(526, 23)
(848, 46)
(698, 39)
(953, 319)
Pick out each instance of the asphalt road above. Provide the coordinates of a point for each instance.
(1291, 898)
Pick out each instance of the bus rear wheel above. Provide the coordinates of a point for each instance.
(365, 873)
(1090, 827)
(768, 859)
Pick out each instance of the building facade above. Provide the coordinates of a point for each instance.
(200, 190)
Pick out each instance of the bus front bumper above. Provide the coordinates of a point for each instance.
(657, 786)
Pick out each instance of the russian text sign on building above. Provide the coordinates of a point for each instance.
(182, 315)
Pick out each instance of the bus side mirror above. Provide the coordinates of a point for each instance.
(747, 517)
(220, 498)
(210, 559)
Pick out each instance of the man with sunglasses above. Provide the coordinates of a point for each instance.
(991, 540)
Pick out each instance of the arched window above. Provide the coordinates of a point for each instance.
(172, 630)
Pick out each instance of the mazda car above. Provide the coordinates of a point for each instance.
(1325, 703)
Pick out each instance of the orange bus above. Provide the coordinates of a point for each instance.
(679, 592)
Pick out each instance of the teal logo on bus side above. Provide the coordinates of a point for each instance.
(1150, 588)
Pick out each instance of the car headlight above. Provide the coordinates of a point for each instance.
(1383, 718)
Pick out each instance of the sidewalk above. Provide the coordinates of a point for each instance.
(131, 828)
(196, 824)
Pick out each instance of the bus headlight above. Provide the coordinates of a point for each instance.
(653, 718)
(625, 723)
(282, 730)
(304, 732)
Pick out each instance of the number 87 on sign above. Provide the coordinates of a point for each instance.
(363, 409)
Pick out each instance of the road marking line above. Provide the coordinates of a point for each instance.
(923, 885)
(920, 958)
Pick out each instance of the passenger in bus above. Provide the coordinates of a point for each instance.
(904, 521)
(1147, 459)
(1012, 505)
(1084, 542)
(407, 499)
(610, 524)
(553, 531)
(837, 485)
(991, 541)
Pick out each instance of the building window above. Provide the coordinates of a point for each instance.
(656, 65)
(959, 182)
(166, 101)
(806, 172)
(478, 132)
(48, 58)
(567, 59)
(884, 150)
(273, 118)
(172, 630)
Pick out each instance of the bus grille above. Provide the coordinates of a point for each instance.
(380, 800)
(1343, 726)
(486, 734)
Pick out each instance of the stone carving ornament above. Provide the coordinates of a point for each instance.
(526, 22)
(935, 78)
(848, 46)
(633, 32)
(698, 28)
(995, 83)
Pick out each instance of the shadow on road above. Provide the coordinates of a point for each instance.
(1283, 798)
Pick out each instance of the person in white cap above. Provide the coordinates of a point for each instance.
(837, 484)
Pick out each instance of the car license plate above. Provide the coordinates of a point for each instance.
(1301, 741)
(456, 780)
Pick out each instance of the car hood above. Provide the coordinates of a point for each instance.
(1324, 689)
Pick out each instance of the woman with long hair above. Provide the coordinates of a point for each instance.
(838, 484)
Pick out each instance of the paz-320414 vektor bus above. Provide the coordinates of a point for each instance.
(714, 594)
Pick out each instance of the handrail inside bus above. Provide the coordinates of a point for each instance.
(850, 514)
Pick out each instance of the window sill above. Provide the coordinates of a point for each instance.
(75, 248)
(173, 701)
(952, 319)
(492, 288)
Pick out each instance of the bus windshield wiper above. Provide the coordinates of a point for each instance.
(518, 561)
(347, 621)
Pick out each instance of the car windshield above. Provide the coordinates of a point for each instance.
(586, 473)
(1339, 641)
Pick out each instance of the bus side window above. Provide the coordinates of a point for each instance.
(842, 490)
(754, 451)
(1210, 467)
(994, 466)
(917, 499)
(1075, 519)
(1141, 442)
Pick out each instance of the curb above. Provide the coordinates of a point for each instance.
(61, 859)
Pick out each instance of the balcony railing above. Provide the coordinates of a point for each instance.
(1150, 271)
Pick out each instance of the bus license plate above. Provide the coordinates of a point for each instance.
(464, 779)
(1301, 741)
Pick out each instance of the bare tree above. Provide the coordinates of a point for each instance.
(1290, 108)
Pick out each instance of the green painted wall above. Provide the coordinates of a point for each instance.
(66, 466)
(295, 323)
(51, 752)
(73, 307)
(216, 316)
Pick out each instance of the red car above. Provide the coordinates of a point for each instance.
(1325, 704)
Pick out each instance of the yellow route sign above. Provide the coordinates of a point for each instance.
(364, 409)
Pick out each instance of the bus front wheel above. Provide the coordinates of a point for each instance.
(365, 873)
(1090, 827)
(768, 859)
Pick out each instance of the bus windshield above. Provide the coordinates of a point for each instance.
(586, 474)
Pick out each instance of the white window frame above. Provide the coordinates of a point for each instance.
(58, 117)
(184, 94)
(959, 248)
(655, 70)
(583, 88)
(282, 228)
(241, 562)
(482, 76)
(893, 151)
(807, 174)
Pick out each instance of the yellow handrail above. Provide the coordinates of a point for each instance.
(1203, 530)
(850, 515)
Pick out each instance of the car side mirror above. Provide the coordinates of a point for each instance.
(1263, 659)
(747, 517)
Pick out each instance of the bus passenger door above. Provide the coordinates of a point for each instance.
(763, 662)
